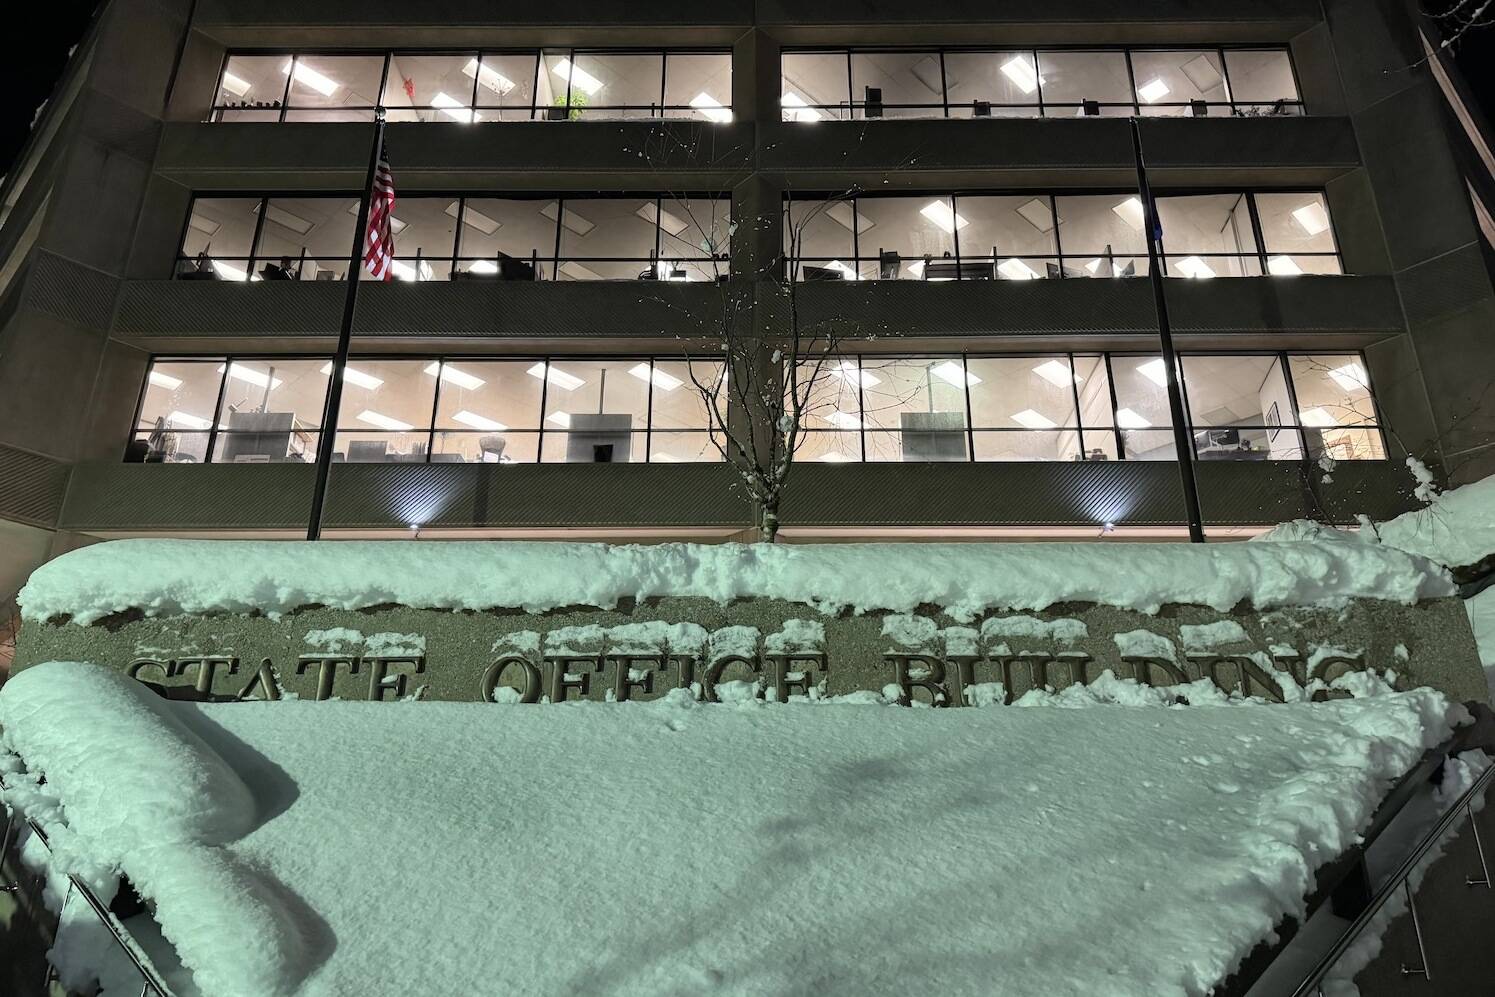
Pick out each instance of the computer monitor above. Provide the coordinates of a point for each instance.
(367, 451)
(599, 438)
(822, 273)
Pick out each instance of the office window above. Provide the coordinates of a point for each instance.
(599, 86)
(694, 237)
(505, 85)
(914, 409)
(1262, 82)
(1240, 408)
(488, 411)
(219, 241)
(1067, 80)
(1101, 235)
(607, 238)
(433, 87)
(502, 234)
(897, 84)
(1174, 82)
(305, 238)
(423, 245)
(176, 412)
(271, 411)
(819, 236)
(1335, 407)
(998, 84)
(1297, 234)
(1014, 234)
(1092, 379)
(698, 86)
(386, 411)
(251, 88)
(1208, 235)
(596, 411)
(1142, 415)
(1024, 408)
(921, 231)
(332, 87)
(816, 86)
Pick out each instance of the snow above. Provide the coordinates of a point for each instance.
(1145, 644)
(162, 577)
(1457, 528)
(1207, 636)
(1481, 611)
(664, 847)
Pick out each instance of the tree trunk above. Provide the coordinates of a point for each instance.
(768, 523)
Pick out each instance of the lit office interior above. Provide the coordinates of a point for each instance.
(661, 237)
(843, 84)
(1252, 407)
(1029, 236)
(471, 87)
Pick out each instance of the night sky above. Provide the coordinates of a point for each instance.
(63, 23)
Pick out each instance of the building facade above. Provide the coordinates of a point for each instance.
(952, 186)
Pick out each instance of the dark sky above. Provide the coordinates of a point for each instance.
(35, 72)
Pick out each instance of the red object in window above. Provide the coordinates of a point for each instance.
(410, 89)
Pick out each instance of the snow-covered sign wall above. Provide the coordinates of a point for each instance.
(942, 624)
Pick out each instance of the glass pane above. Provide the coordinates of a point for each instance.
(333, 87)
(425, 229)
(216, 245)
(923, 405)
(1070, 78)
(1208, 235)
(388, 404)
(252, 88)
(1022, 393)
(1260, 77)
(1106, 228)
(595, 410)
(1240, 409)
(606, 238)
(177, 411)
(695, 228)
(609, 85)
(306, 238)
(497, 228)
(821, 233)
(678, 402)
(1141, 405)
(478, 447)
(1033, 446)
(1016, 232)
(1168, 81)
(682, 448)
(1094, 387)
(699, 86)
(830, 394)
(816, 86)
(897, 84)
(830, 447)
(1295, 223)
(494, 397)
(272, 409)
(1332, 389)
(1006, 83)
(431, 87)
(917, 229)
(506, 85)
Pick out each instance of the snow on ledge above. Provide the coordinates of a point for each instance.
(169, 577)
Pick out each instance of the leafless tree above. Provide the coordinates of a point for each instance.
(1457, 19)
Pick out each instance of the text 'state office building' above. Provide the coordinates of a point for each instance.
(577, 185)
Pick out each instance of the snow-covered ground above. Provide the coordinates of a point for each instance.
(309, 849)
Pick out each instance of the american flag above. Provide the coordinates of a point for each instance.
(379, 239)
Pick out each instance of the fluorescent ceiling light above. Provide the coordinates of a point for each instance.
(234, 85)
(490, 78)
(1015, 269)
(848, 372)
(476, 219)
(661, 380)
(1154, 371)
(229, 272)
(1351, 377)
(562, 419)
(305, 74)
(943, 215)
(478, 421)
(405, 271)
(844, 420)
(482, 266)
(580, 78)
(1127, 419)
(556, 376)
(1020, 71)
(845, 270)
(953, 373)
(841, 212)
(257, 378)
(1283, 266)
(834, 457)
(1033, 420)
(177, 418)
(572, 220)
(1094, 265)
(652, 213)
(454, 109)
(1056, 373)
(1202, 73)
(796, 108)
(1130, 211)
(383, 421)
(711, 107)
(1312, 217)
(1193, 266)
(460, 378)
(281, 216)
(1153, 90)
(916, 268)
(166, 381)
(206, 226)
(576, 271)
(355, 376)
(1037, 213)
(1318, 418)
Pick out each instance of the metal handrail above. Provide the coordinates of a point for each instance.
(130, 947)
(1399, 879)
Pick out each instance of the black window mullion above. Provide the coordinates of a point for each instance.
(856, 239)
(544, 393)
(254, 245)
(1256, 232)
(457, 232)
(1183, 390)
(534, 90)
(285, 101)
(955, 233)
(1074, 387)
(1225, 75)
(435, 404)
(944, 85)
(1292, 399)
(472, 105)
(145, 386)
(1115, 405)
(861, 412)
(648, 416)
(207, 456)
(555, 264)
(1058, 244)
(217, 113)
(965, 369)
(1038, 82)
(571, 60)
(851, 97)
(383, 83)
(658, 242)
(1131, 76)
(664, 74)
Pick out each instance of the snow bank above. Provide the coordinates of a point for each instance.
(872, 850)
(1456, 528)
(195, 576)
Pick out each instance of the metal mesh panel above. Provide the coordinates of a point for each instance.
(70, 291)
(31, 486)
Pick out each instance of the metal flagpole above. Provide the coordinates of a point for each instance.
(1182, 442)
(328, 439)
